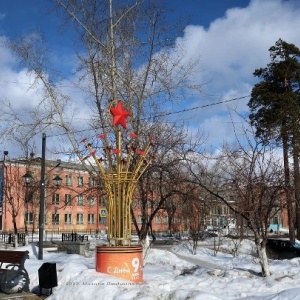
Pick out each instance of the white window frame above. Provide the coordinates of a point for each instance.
(79, 219)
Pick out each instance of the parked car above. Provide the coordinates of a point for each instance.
(282, 249)
(202, 235)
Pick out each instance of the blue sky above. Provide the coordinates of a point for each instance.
(21, 15)
(231, 36)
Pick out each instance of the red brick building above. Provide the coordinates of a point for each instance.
(78, 204)
(74, 205)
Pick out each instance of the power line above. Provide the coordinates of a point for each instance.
(203, 106)
(171, 113)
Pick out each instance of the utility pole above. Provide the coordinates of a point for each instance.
(42, 198)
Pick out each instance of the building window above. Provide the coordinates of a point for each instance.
(80, 200)
(68, 200)
(79, 218)
(29, 218)
(157, 220)
(215, 222)
(139, 219)
(220, 210)
(55, 219)
(68, 218)
(165, 219)
(91, 200)
(68, 180)
(92, 181)
(91, 218)
(79, 181)
(55, 199)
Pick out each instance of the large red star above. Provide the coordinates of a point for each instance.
(120, 115)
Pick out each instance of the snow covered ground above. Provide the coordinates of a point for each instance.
(174, 274)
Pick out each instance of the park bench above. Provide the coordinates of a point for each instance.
(13, 275)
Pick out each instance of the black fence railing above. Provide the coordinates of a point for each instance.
(9, 238)
(79, 231)
(74, 237)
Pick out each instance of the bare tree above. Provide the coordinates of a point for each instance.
(126, 50)
(14, 193)
(253, 175)
(164, 183)
(195, 212)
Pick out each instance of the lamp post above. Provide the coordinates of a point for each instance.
(57, 181)
(2, 197)
(42, 198)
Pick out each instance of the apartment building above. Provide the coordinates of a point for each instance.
(77, 203)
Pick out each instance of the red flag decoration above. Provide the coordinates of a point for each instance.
(116, 151)
(102, 136)
(93, 152)
(133, 135)
(140, 152)
(120, 115)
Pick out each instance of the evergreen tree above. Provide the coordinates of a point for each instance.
(274, 106)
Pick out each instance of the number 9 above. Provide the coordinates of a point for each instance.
(135, 263)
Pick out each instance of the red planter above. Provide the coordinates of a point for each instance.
(125, 262)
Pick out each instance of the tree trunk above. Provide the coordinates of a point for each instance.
(296, 177)
(287, 183)
(263, 259)
(262, 254)
(195, 245)
(14, 223)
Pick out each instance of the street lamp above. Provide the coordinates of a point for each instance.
(57, 181)
(28, 179)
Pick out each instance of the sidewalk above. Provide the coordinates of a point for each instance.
(21, 296)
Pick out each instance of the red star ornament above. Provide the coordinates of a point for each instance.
(120, 115)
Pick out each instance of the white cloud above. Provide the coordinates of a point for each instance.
(231, 48)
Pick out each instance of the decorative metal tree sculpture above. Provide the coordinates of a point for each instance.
(120, 170)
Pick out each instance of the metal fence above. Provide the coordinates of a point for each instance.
(9, 238)
(52, 235)
(74, 237)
